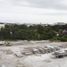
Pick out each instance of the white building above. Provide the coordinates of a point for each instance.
(2, 25)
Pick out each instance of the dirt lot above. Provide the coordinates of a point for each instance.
(31, 54)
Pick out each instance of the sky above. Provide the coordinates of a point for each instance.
(33, 11)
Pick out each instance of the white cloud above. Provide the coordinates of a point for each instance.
(26, 11)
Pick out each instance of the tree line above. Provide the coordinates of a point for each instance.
(34, 32)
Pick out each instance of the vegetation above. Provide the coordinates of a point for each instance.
(34, 32)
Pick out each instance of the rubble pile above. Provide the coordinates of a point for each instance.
(35, 50)
(60, 53)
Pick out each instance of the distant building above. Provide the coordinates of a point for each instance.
(60, 23)
(2, 25)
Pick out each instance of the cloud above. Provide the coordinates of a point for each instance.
(54, 4)
(33, 10)
(45, 4)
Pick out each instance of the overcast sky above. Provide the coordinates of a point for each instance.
(33, 11)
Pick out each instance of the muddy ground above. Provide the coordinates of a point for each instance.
(31, 54)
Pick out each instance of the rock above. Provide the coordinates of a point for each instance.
(18, 54)
(27, 51)
(60, 54)
(35, 51)
(41, 50)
